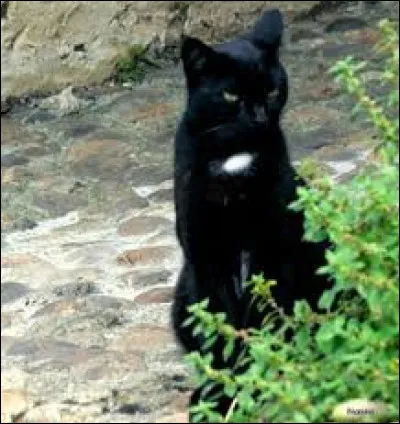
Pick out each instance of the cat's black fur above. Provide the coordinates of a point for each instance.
(231, 225)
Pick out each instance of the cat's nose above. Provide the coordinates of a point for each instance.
(259, 114)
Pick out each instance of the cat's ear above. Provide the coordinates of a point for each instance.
(196, 56)
(268, 31)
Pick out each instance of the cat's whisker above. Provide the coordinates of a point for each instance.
(215, 128)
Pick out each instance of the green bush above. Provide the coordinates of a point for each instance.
(354, 352)
(133, 67)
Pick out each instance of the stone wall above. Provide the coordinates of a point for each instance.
(47, 45)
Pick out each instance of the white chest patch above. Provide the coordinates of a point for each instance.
(237, 163)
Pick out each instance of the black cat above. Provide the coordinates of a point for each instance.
(233, 183)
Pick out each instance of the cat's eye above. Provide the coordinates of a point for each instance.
(273, 94)
(230, 97)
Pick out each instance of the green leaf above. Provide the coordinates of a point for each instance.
(302, 339)
(228, 349)
(299, 417)
(230, 389)
(324, 337)
(198, 329)
(327, 298)
(302, 310)
(189, 321)
(210, 341)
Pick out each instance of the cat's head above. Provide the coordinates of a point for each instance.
(240, 84)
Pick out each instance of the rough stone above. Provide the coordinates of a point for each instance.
(127, 202)
(368, 36)
(76, 289)
(157, 295)
(39, 36)
(99, 158)
(214, 21)
(152, 111)
(13, 377)
(6, 343)
(142, 337)
(146, 256)
(40, 116)
(321, 90)
(13, 175)
(163, 195)
(345, 24)
(47, 413)
(34, 149)
(6, 320)
(5, 105)
(333, 52)
(62, 308)
(181, 417)
(64, 103)
(14, 403)
(32, 349)
(57, 204)
(150, 174)
(141, 225)
(37, 272)
(144, 278)
(12, 160)
(15, 133)
(17, 259)
(109, 365)
(312, 117)
(12, 291)
(79, 129)
(181, 400)
(91, 255)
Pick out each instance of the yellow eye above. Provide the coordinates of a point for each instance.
(230, 97)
